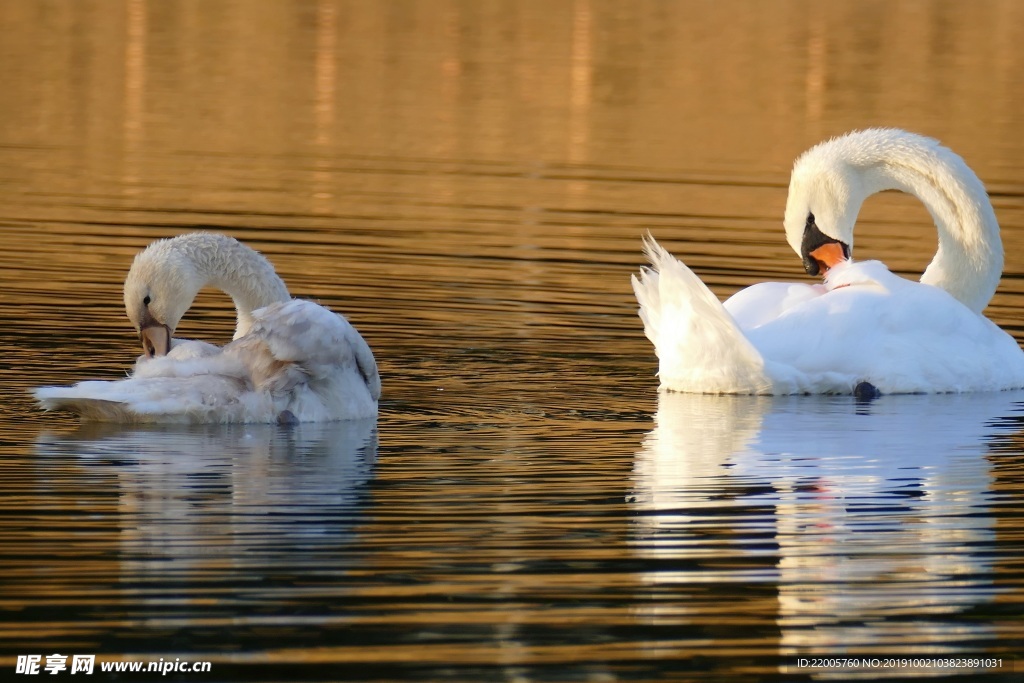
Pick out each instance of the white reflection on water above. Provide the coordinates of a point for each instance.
(198, 493)
(878, 513)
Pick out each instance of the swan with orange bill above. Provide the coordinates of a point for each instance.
(863, 330)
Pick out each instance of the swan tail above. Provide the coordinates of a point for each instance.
(133, 401)
(88, 408)
(699, 346)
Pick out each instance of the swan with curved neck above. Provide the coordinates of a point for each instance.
(165, 278)
(291, 360)
(864, 326)
(831, 181)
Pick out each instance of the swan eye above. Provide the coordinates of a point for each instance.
(810, 219)
(145, 301)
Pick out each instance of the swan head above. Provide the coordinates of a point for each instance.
(160, 287)
(826, 192)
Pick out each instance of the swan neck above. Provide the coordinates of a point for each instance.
(243, 274)
(969, 261)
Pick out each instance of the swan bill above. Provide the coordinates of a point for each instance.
(827, 256)
(819, 251)
(156, 340)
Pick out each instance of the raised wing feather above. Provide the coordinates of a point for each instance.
(298, 341)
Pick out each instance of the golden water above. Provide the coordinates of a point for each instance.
(468, 182)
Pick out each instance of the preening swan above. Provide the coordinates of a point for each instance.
(864, 324)
(291, 360)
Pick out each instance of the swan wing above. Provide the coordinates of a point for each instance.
(766, 301)
(700, 348)
(899, 335)
(304, 354)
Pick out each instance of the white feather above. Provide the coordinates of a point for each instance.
(296, 361)
(865, 324)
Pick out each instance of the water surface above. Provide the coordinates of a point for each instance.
(468, 182)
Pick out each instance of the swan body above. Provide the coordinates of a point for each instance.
(290, 360)
(864, 323)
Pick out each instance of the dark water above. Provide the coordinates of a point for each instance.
(468, 182)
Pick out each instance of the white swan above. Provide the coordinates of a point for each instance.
(291, 360)
(865, 329)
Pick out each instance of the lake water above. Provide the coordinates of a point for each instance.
(469, 182)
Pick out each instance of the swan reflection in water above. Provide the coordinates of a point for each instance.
(251, 496)
(872, 519)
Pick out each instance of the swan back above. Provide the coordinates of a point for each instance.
(831, 181)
